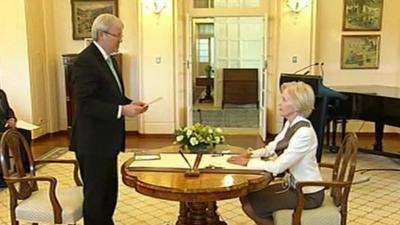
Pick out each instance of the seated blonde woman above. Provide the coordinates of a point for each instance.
(293, 150)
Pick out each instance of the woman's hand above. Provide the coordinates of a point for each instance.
(241, 159)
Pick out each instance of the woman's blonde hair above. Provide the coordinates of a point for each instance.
(302, 95)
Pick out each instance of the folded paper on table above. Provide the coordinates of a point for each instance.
(147, 156)
(25, 125)
(166, 161)
(176, 161)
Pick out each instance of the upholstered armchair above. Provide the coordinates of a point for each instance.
(334, 208)
(29, 203)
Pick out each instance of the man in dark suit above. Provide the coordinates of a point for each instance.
(8, 120)
(98, 130)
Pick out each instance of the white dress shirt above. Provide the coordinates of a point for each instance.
(299, 157)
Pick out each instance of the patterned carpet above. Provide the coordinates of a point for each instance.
(240, 116)
(373, 202)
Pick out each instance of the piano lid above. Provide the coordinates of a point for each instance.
(373, 90)
(315, 81)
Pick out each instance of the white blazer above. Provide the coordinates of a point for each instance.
(299, 157)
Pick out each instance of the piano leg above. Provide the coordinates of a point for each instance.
(333, 147)
(378, 136)
(343, 121)
(328, 132)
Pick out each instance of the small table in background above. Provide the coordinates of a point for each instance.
(209, 83)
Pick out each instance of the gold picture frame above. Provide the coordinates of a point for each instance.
(363, 15)
(85, 11)
(360, 51)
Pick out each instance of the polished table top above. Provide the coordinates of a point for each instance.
(218, 180)
(168, 176)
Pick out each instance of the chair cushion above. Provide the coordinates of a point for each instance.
(37, 208)
(326, 214)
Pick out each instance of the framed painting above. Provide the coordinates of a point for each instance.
(360, 51)
(362, 15)
(85, 11)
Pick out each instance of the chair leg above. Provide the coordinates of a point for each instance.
(13, 219)
(14, 222)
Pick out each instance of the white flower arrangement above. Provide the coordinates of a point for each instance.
(199, 137)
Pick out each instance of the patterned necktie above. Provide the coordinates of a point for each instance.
(110, 64)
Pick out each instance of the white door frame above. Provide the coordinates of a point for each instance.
(201, 13)
(263, 84)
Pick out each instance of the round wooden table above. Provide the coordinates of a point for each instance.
(197, 195)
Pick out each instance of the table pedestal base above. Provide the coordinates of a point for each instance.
(198, 213)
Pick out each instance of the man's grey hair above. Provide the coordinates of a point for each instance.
(103, 22)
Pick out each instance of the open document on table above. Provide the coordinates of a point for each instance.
(166, 161)
(218, 161)
(175, 160)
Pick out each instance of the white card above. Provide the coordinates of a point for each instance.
(154, 101)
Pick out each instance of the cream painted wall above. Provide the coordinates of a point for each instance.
(14, 63)
(329, 31)
(64, 44)
(158, 78)
(31, 91)
(51, 87)
(294, 38)
(37, 65)
(329, 43)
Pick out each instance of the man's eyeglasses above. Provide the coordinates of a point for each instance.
(119, 36)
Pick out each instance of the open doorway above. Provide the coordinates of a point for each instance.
(228, 72)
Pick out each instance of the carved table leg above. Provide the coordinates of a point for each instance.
(197, 213)
(183, 213)
(212, 215)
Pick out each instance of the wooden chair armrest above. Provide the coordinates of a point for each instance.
(52, 192)
(300, 185)
(78, 181)
(326, 165)
(12, 180)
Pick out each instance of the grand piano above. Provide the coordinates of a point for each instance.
(374, 103)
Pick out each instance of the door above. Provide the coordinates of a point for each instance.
(262, 84)
(240, 43)
(189, 77)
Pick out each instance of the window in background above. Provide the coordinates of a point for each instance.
(203, 46)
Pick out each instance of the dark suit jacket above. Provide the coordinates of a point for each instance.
(96, 130)
(6, 111)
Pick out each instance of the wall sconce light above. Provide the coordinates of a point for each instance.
(297, 5)
(156, 6)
